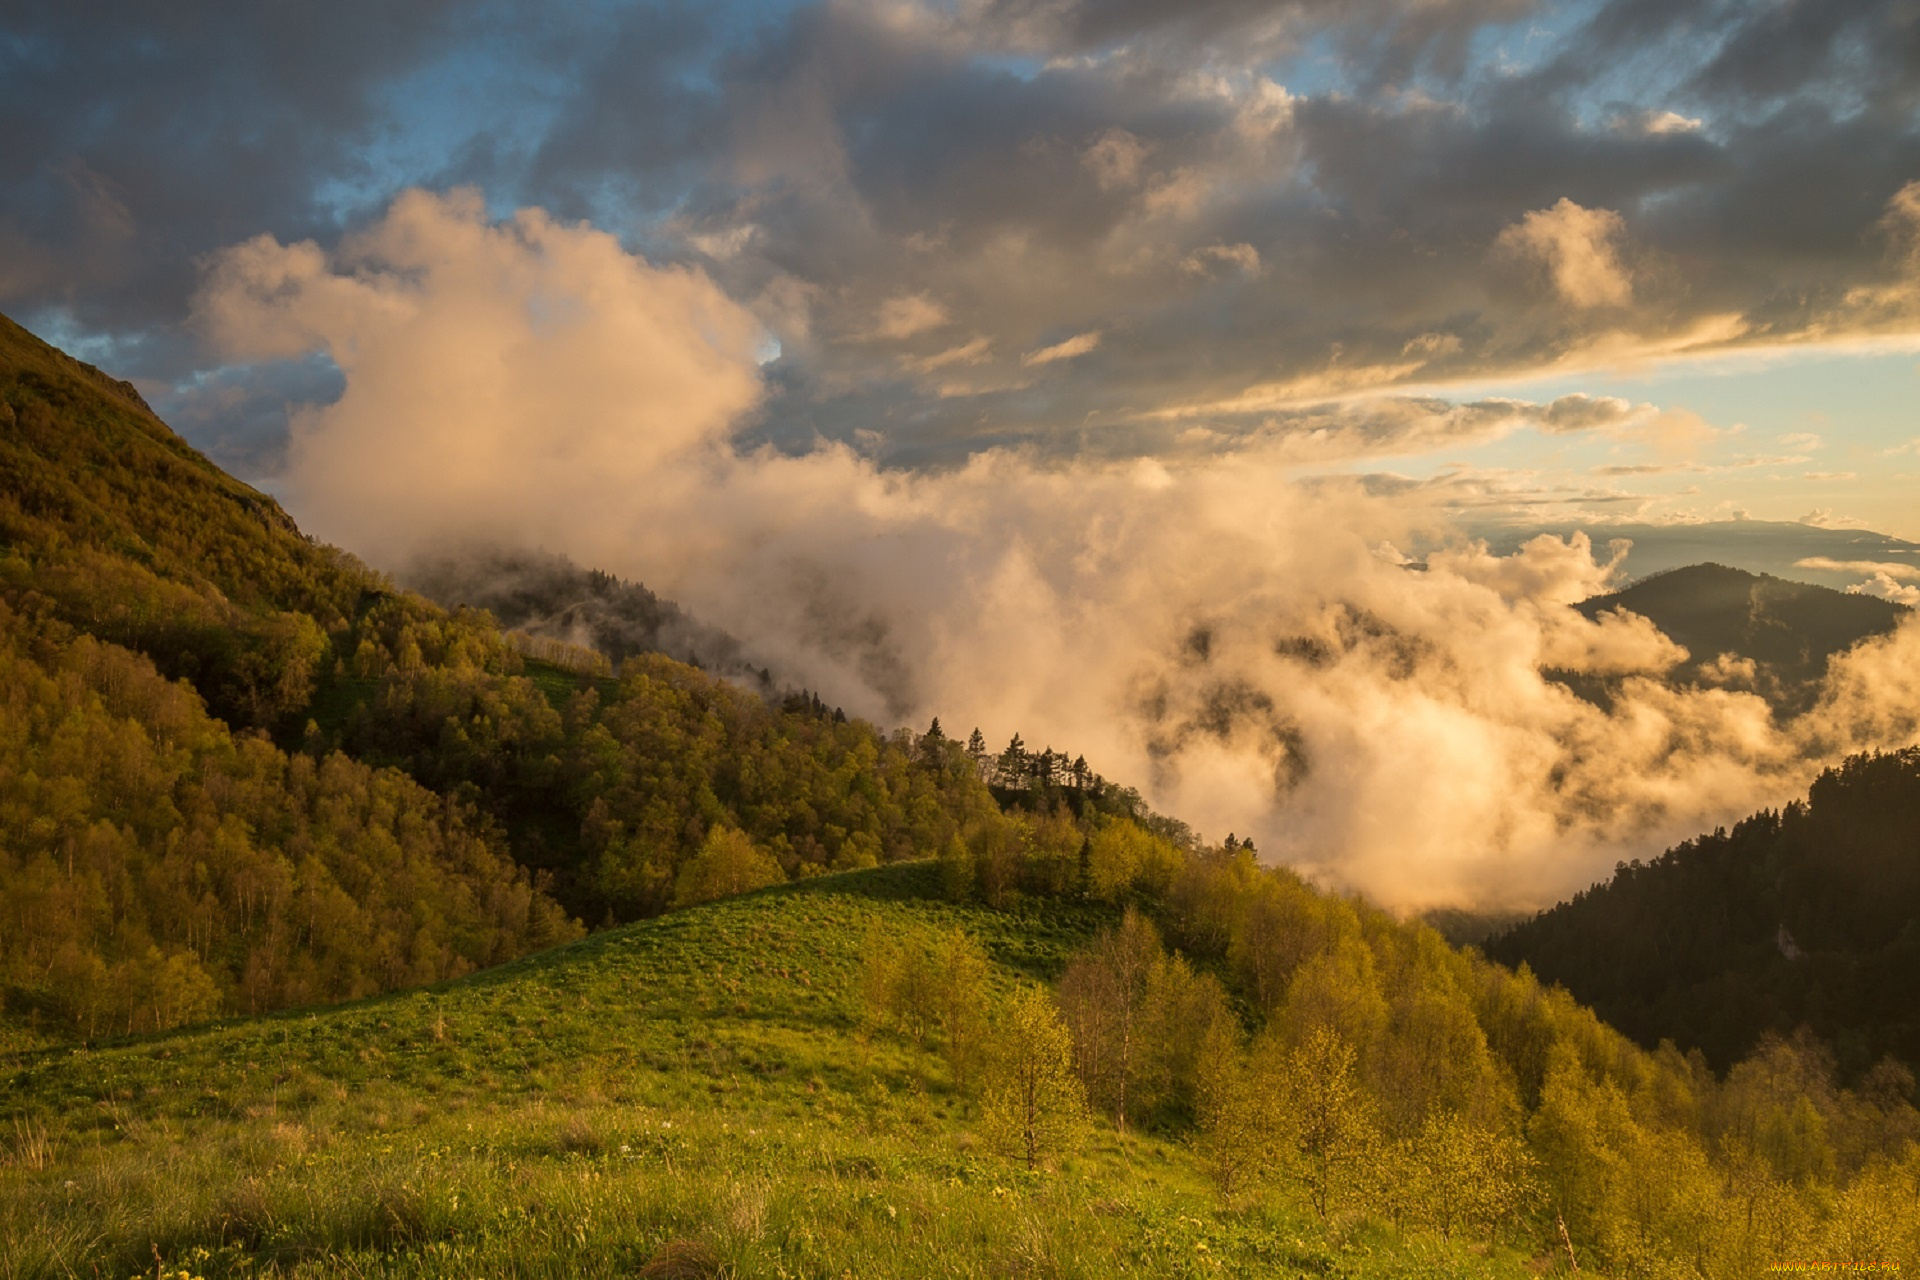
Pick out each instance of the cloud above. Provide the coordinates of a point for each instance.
(1078, 345)
(1888, 587)
(1659, 122)
(1241, 257)
(973, 352)
(1115, 159)
(1577, 246)
(1232, 637)
(1888, 580)
(494, 371)
(1828, 565)
(1236, 195)
(907, 315)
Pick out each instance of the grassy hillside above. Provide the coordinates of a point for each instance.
(700, 1087)
(720, 1092)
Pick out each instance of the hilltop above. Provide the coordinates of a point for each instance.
(1751, 630)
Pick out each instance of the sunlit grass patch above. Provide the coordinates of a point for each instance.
(697, 1095)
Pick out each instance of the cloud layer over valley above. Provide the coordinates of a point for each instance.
(1235, 633)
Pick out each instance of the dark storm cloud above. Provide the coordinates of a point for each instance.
(140, 136)
(1222, 245)
(1083, 225)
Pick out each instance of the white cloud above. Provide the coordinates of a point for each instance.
(1578, 248)
(1078, 345)
(1658, 122)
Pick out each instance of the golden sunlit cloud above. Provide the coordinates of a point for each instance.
(1246, 643)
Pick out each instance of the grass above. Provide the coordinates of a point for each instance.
(690, 1096)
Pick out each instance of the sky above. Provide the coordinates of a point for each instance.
(1039, 362)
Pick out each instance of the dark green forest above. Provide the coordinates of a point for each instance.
(1805, 917)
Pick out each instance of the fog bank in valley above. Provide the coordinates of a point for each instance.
(1243, 642)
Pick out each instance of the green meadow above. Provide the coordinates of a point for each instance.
(696, 1095)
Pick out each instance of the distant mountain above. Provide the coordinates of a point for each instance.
(1809, 916)
(1750, 630)
(1784, 548)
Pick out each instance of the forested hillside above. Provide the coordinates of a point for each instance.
(1753, 631)
(1805, 917)
(548, 598)
(242, 771)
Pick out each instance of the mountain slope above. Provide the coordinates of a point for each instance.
(163, 860)
(1807, 917)
(1778, 634)
(548, 597)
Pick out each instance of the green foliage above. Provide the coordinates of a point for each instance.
(728, 862)
(1394, 1078)
(931, 987)
(158, 869)
(1034, 1108)
(1456, 1177)
(1327, 1119)
(687, 1089)
(615, 795)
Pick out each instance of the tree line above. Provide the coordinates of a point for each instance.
(1317, 1051)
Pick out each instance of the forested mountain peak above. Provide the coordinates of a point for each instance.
(1752, 630)
(86, 467)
